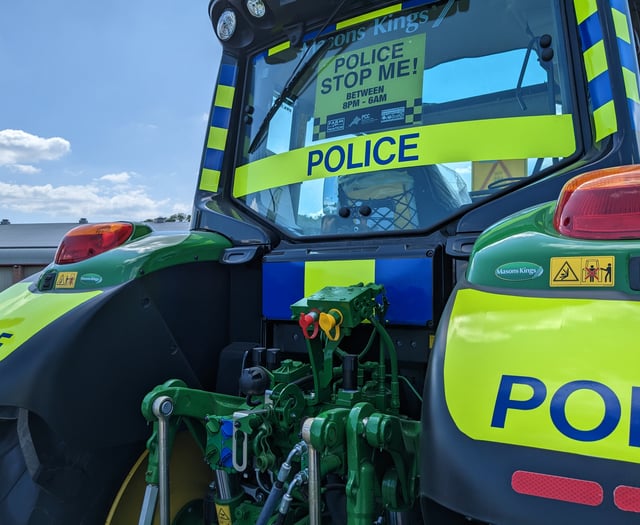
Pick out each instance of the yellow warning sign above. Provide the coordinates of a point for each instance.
(485, 172)
(594, 270)
(224, 514)
(66, 280)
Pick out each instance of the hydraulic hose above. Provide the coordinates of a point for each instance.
(300, 478)
(272, 502)
(386, 341)
(277, 490)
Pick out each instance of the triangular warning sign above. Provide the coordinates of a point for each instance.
(224, 514)
(565, 274)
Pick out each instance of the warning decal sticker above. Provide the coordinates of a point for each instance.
(66, 280)
(224, 514)
(594, 270)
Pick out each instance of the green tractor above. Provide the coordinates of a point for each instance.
(408, 294)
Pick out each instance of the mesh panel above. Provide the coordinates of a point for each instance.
(397, 212)
(381, 202)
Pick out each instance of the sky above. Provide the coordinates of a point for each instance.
(103, 107)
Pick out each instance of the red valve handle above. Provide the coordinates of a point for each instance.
(307, 320)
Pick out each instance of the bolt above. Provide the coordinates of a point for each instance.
(365, 422)
(166, 408)
(162, 406)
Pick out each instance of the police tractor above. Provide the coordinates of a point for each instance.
(409, 292)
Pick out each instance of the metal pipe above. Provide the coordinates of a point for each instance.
(314, 486)
(313, 460)
(162, 408)
(148, 505)
(224, 485)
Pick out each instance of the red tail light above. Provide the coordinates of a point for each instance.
(90, 240)
(602, 204)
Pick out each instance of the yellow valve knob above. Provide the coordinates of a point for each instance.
(327, 322)
(330, 322)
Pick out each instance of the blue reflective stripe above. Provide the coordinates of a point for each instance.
(600, 89)
(407, 281)
(228, 75)
(627, 56)
(220, 117)
(313, 34)
(282, 285)
(415, 3)
(590, 31)
(213, 159)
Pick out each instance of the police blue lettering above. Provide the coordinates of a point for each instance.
(350, 164)
(376, 151)
(404, 147)
(330, 151)
(557, 407)
(382, 152)
(603, 429)
(315, 158)
(6, 335)
(504, 401)
(634, 427)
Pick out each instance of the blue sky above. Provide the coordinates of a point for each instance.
(103, 107)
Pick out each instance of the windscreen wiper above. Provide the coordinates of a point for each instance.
(286, 93)
(296, 75)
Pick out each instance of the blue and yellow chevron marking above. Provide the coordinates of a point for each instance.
(622, 23)
(407, 281)
(219, 128)
(596, 68)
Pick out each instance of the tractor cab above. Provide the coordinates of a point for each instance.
(386, 122)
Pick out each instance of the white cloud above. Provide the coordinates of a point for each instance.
(24, 168)
(117, 178)
(93, 201)
(18, 147)
(181, 207)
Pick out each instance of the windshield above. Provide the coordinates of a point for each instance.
(395, 120)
